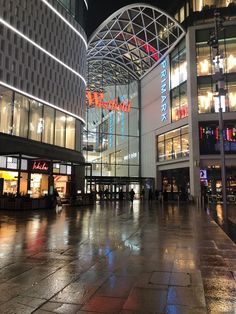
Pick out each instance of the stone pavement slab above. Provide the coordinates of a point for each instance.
(116, 258)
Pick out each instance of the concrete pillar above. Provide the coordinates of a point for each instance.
(194, 158)
(79, 177)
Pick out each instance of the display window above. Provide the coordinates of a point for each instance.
(61, 183)
(28, 118)
(9, 182)
(5, 110)
(173, 145)
(210, 138)
(38, 185)
(179, 103)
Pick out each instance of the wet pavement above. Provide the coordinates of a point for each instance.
(228, 225)
(114, 258)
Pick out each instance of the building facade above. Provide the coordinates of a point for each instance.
(180, 134)
(121, 51)
(42, 96)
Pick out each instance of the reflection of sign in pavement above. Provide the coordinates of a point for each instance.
(203, 174)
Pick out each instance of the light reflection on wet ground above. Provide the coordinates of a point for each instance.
(216, 211)
(115, 258)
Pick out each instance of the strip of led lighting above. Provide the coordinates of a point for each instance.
(64, 20)
(41, 101)
(42, 49)
(86, 4)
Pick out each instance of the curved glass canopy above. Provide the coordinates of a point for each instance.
(133, 39)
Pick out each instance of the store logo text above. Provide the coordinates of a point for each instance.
(96, 99)
(164, 90)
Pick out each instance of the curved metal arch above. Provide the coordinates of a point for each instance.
(136, 37)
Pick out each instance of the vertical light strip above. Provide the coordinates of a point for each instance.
(42, 49)
(41, 101)
(86, 4)
(65, 21)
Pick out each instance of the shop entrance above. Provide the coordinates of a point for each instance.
(38, 185)
(175, 184)
(112, 186)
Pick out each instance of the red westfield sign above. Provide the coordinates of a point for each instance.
(96, 99)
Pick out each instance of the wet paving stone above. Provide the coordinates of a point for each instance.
(150, 300)
(109, 258)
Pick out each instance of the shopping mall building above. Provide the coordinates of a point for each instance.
(152, 110)
(42, 95)
(151, 115)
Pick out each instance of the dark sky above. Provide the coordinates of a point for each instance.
(99, 10)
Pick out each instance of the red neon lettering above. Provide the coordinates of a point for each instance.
(40, 166)
(96, 99)
(90, 98)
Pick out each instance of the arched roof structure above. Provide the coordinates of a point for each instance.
(136, 37)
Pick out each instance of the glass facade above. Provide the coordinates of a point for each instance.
(178, 77)
(210, 137)
(173, 145)
(111, 141)
(207, 103)
(208, 4)
(77, 8)
(27, 118)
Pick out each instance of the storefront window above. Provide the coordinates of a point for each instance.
(70, 132)
(48, 132)
(231, 54)
(176, 148)
(185, 145)
(21, 115)
(5, 110)
(173, 145)
(209, 103)
(232, 96)
(204, 62)
(205, 99)
(179, 102)
(178, 66)
(35, 120)
(207, 4)
(161, 151)
(24, 183)
(10, 182)
(60, 129)
(210, 138)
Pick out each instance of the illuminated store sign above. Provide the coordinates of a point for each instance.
(96, 99)
(39, 166)
(164, 91)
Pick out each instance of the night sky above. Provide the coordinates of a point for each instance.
(99, 10)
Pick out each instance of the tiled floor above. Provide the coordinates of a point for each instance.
(114, 258)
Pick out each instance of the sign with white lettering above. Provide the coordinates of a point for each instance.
(203, 174)
(164, 91)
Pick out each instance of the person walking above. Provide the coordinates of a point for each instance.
(150, 194)
(121, 195)
(142, 195)
(131, 195)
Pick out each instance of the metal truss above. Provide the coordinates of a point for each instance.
(133, 39)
